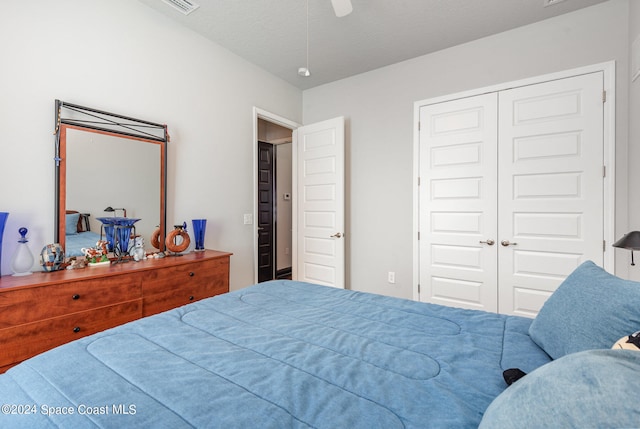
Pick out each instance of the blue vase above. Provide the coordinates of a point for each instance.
(123, 235)
(3, 221)
(199, 228)
(118, 231)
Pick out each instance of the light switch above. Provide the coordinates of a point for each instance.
(248, 219)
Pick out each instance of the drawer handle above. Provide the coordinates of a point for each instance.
(76, 296)
(191, 274)
(191, 298)
(76, 329)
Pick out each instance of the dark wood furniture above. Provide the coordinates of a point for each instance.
(44, 310)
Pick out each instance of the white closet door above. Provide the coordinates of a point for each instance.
(458, 206)
(550, 190)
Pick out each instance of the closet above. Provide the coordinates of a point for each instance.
(511, 193)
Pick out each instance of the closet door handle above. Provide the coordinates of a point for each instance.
(490, 242)
(506, 243)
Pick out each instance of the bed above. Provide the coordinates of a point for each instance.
(287, 354)
(78, 234)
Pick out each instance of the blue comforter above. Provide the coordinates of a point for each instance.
(280, 354)
(74, 243)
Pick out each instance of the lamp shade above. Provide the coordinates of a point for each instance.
(630, 241)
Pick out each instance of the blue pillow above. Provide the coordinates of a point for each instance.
(591, 309)
(590, 389)
(71, 225)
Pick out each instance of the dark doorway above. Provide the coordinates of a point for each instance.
(266, 209)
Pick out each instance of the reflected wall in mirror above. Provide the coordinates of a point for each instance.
(105, 161)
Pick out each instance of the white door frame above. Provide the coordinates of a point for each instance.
(608, 69)
(292, 125)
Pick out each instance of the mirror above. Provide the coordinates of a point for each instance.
(108, 166)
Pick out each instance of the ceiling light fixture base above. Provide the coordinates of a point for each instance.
(304, 72)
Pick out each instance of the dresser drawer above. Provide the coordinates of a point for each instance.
(22, 342)
(179, 296)
(27, 305)
(179, 285)
(207, 271)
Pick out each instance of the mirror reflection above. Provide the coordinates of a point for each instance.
(110, 181)
(109, 176)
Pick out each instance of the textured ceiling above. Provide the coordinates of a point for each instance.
(272, 33)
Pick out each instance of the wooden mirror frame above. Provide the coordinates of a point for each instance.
(74, 117)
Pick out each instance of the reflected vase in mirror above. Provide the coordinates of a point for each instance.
(118, 232)
(199, 228)
(3, 221)
(22, 260)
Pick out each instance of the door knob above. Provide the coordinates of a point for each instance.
(490, 242)
(506, 243)
(336, 235)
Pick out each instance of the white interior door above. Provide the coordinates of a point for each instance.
(458, 203)
(319, 228)
(550, 187)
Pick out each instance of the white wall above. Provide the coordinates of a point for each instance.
(379, 109)
(634, 142)
(123, 57)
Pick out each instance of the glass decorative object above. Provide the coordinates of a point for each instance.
(109, 233)
(23, 260)
(124, 228)
(118, 232)
(3, 221)
(52, 257)
(199, 228)
(123, 235)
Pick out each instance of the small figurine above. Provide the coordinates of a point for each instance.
(136, 250)
(77, 263)
(96, 254)
(103, 245)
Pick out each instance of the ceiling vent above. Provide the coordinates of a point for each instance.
(184, 6)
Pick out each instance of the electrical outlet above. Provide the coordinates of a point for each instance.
(391, 277)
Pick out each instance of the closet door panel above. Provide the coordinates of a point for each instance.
(550, 187)
(458, 206)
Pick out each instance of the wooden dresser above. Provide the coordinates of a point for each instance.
(44, 310)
